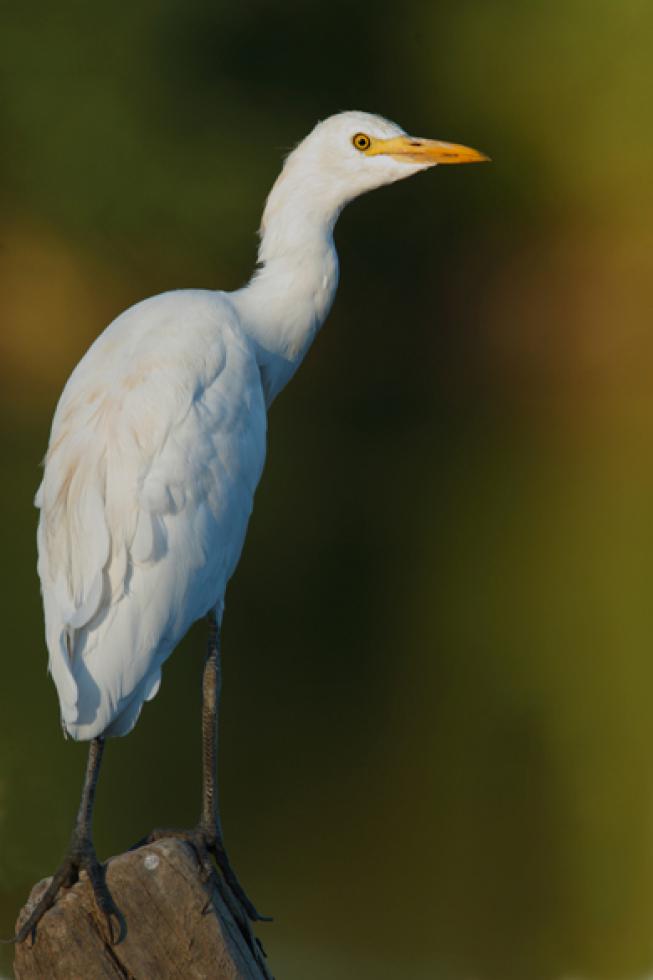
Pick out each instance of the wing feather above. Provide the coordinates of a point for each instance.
(156, 449)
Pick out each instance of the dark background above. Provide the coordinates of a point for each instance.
(436, 756)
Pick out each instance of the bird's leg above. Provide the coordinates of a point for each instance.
(81, 856)
(207, 838)
(210, 822)
(211, 691)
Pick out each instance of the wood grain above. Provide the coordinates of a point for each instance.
(176, 926)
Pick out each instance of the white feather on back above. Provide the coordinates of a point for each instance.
(157, 446)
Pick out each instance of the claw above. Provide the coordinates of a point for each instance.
(80, 858)
(63, 877)
(115, 934)
(112, 914)
(206, 841)
(218, 851)
(103, 899)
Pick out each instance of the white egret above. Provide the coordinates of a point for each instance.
(156, 449)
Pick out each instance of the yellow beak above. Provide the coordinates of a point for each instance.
(412, 149)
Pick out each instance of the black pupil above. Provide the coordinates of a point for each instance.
(362, 141)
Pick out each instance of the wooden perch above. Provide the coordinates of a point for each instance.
(175, 926)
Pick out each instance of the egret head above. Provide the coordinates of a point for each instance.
(345, 156)
(362, 151)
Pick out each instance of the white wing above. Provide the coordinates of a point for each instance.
(157, 446)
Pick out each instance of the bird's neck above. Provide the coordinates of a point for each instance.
(290, 295)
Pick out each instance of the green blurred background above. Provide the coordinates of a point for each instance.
(436, 757)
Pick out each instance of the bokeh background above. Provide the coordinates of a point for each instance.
(437, 729)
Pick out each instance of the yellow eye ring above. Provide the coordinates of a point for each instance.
(362, 141)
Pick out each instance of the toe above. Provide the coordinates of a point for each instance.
(114, 921)
(65, 876)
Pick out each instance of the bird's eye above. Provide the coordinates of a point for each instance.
(361, 141)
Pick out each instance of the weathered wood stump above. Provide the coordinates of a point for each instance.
(175, 926)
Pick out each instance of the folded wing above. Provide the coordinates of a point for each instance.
(156, 449)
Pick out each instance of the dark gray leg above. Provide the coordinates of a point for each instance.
(207, 838)
(210, 822)
(81, 854)
(211, 691)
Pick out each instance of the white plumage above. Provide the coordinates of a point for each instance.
(156, 449)
(158, 441)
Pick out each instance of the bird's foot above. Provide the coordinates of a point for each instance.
(207, 842)
(81, 857)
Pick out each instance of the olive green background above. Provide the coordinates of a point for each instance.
(436, 757)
